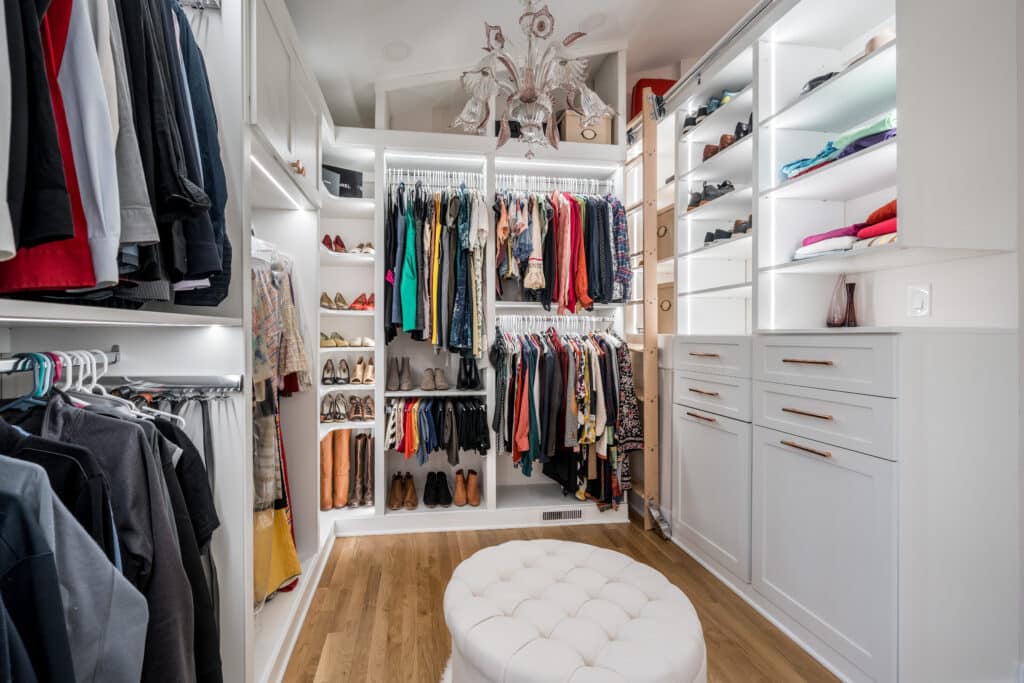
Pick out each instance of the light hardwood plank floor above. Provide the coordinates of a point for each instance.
(377, 613)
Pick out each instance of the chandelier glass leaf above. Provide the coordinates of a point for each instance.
(528, 83)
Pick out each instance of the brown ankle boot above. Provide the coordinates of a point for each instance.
(460, 489)
(326, 473)
(396, 494)
(409, 499)
(473, 488)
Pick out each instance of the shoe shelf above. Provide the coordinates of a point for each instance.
(345, 314)
(722, 120)
(328, 427)
(737, 248)
(873, 259)
(729, 206)
(332, 259)
(339, 388)
(419, 393)
(326, 350)
(859, 174)
(732, 163)
(738, 291)
(866, 89)
(666, 270)
(422, 509)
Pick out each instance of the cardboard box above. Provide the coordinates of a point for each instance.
(571, 130)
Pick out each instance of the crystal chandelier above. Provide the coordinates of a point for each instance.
(529, 83)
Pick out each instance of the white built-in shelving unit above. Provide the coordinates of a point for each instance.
(820, 472)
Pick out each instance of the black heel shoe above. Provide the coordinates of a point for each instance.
(462, 380)
(473, 370)
(326, 409)
(328, 374)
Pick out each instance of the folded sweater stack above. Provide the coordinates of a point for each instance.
(879, 229)
(849, 143)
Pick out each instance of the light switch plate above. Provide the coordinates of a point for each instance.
(919, 301)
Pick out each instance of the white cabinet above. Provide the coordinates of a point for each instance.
(824, 544)
(283, 99)
(712, 496)
(305, 148)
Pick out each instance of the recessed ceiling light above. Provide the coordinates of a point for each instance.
(397, 51)
(593, 22)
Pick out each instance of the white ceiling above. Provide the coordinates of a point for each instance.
(350, 44)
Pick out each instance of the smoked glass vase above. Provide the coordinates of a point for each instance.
(837, 309)
(851, 311)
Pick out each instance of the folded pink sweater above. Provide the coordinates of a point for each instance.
(848, 231)
(883, 228)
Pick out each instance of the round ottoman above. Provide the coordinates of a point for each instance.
(557, 612)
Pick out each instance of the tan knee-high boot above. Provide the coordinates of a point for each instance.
(326, 473)
(341, 466)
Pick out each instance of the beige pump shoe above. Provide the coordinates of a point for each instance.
(369, 377)
(360, 371)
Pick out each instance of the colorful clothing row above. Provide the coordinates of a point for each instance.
(421, 426)
(570, 250)
(109, 158)
(434, 257)
(280, 367)
(567, 402)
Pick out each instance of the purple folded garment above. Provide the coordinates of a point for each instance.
(866, 141)
(838, 232)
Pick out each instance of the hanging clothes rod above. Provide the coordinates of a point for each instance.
(563, 323)
(436, 179)
(178, 382)
(26, 363)
(509, 182)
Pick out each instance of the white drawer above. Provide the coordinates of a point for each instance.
(860, 363)
(726, 396)
(716, 355)
(852, 421)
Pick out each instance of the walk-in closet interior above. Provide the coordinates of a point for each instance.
(653, 341)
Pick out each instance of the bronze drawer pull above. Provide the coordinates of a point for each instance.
(704, 355)
(712, 394)
(824, 454)
(797, 411)
(799, 361)
(702, 417)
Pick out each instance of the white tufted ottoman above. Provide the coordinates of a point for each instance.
(558, 612)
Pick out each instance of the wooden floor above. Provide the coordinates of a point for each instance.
(377, 613)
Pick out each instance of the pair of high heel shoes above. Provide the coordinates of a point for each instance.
(340, 374)
(356, 409)
(339, 303)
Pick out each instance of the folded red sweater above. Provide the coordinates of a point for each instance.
(882, 213)
(883, 228)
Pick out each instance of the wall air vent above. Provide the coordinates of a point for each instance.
(561, 515)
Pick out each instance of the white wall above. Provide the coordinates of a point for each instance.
(1020, 302)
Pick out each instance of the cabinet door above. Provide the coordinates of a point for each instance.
(304, 162)
(824, 544)
(272, 90)
(712, 462)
